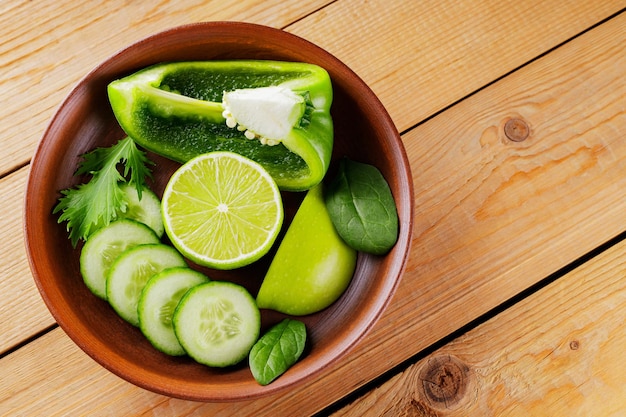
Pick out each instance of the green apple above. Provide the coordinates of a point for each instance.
(313, 265)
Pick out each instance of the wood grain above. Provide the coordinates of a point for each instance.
(560, 352)
(433, 65)
(31, 53)
(45, 50)
(494, 218)
(39, 64)
(422, 56)
(21, 307)
(42, 365)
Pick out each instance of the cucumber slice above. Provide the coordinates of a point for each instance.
(147, 210)
(217, 323)
(157, 303)
(130, 272)
(105, 245)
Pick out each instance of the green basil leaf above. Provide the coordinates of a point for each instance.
(277, 350)
(362, 208)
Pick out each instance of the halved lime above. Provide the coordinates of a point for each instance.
(222, 210)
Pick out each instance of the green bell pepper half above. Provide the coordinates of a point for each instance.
(175, 110)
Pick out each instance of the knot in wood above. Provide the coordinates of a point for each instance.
(444, 381)
(516, 129)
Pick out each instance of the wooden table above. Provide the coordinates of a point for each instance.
(513, 115)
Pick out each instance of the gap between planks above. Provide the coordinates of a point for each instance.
(516, 69)
(403, 366)
(412, 361)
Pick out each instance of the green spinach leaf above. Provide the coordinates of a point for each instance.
(277, 350)
(362, 208)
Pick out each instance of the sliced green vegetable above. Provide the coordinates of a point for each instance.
(362, 208)
(276, 113)
(105, 246)
(96, 203)
(146, 210)
(277, 350)
(144, 207)
(131, 271)
(312, 267)
(157, 303)
(217, 323)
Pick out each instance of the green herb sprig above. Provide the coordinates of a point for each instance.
(97, 202)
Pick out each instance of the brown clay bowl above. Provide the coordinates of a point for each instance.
(363, 131)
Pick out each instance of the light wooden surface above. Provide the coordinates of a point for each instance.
(559, 352)
(496, 220)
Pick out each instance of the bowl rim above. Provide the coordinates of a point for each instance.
(80, 335)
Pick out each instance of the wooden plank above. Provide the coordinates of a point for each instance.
(567, 361)
(59, 392)
(558, 352)
(435, 64)
(46, 48)
(21, 307)
(421, 56)
(494, 218)
(37, 59)
(38, 69)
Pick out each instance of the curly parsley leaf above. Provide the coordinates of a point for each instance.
(99, 201)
